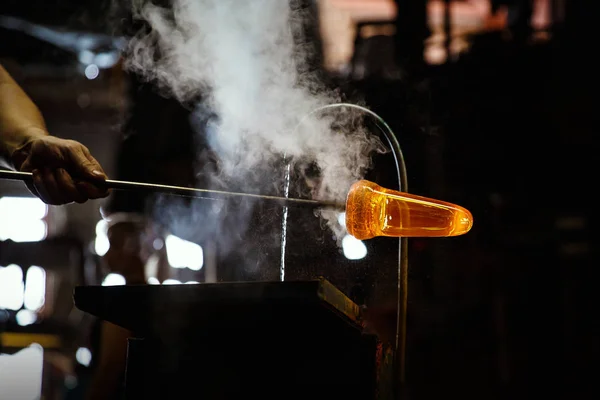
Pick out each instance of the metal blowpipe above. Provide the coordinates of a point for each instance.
(27, 177)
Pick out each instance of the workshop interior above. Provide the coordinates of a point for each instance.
(309, 199)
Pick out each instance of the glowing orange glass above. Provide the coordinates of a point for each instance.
(372, 210)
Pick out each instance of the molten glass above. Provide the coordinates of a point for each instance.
(372, 210)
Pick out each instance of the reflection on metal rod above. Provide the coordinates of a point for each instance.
(192, 192)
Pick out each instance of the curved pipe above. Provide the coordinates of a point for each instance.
(402, 293)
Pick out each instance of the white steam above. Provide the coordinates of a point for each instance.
(244, 59)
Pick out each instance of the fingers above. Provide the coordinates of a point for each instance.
(86, 165)
(58, 187)
(67, 187)
(95, 192)
(47, 188)
(64, 171)
(91, 191)
(89, 167)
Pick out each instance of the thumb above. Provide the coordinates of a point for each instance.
(86, 168)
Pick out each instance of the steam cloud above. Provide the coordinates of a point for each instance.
(244, 59)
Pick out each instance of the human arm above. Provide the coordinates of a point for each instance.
(63, 170)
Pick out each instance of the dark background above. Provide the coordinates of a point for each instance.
(505, 129)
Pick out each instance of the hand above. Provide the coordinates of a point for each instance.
(63, 170)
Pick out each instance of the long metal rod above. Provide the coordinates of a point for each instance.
(27, 177)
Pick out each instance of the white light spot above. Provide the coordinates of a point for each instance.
(184, 254)
(353, 248)
(22, 219)
(35, 288)
(435, 54)
(25, 317)
(153, 281)
(158, 244)
(11, 287)
(22, 207)
(192, 283)
(342, 219)
(25, 231)
(21, 373)
(83, 356)
(92, 71)
(106, 60)
(113, 279)
(86, 57)
(102, 228)
(101, 244)
(171, 282)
